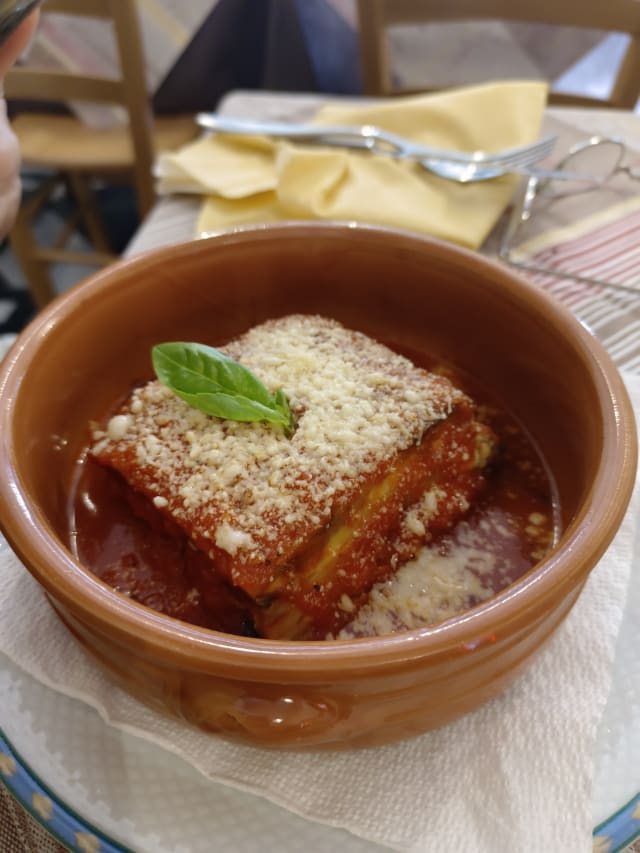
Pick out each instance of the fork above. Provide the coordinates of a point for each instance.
(378, 141)
(465, 173)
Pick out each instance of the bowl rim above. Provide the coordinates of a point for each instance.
(73, 586)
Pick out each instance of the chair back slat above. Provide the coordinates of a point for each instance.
(90, 8)
(27, 83)
(615, 16)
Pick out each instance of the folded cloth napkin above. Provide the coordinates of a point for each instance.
(513, 777)
(250, 180)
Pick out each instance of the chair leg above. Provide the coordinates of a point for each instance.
(35, 271)
(79, 185)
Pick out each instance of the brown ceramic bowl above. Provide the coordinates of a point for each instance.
(84, 351)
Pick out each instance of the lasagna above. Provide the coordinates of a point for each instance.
(384, 455)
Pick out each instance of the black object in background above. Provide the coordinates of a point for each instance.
(16, 307)
(279, 45)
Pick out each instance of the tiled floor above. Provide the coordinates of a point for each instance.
(460, 53)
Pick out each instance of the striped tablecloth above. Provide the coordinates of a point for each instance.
(570, 262)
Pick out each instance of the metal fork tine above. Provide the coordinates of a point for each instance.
(539, 151)
(406, 149)
(522, 157)
(515, 163)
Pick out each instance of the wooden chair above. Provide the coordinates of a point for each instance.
(69, 151)
(376, 16)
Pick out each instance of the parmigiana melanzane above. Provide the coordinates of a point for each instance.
(383, 454)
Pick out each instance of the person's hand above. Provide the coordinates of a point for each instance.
(9, 151)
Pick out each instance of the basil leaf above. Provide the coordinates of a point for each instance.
(210, 381)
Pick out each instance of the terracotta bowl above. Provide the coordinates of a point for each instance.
(85, 350)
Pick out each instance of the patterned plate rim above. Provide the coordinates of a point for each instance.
(46, 808)
(620, 829)
(75, 832)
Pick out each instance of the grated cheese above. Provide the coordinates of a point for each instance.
(441, 581)
(479, 557)
(118, 426)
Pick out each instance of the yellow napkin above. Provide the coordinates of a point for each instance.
(252, 179)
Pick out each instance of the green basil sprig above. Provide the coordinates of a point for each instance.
(210, 381)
